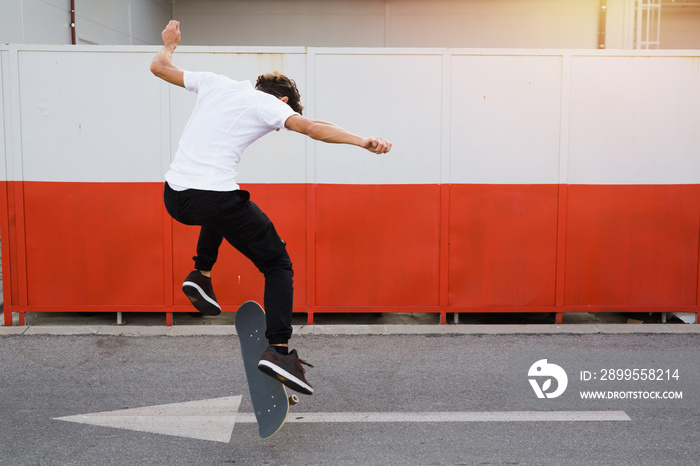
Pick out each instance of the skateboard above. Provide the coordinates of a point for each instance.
(269, 397)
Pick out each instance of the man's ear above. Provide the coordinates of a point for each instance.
(284, 99)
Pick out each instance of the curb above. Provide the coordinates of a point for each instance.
(225, 330)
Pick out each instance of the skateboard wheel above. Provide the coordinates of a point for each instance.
(293, 399)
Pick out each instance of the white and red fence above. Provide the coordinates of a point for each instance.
(520, 181)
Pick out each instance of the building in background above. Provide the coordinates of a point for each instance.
(557, 24)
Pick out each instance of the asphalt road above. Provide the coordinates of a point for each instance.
(45, 377)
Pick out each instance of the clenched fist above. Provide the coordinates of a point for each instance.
(171, 34)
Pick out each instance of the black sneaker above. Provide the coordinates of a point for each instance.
(287, 369)
(199, 291)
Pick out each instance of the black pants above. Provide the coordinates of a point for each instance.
(233, 216)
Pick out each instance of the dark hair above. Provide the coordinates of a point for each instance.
(279, 85)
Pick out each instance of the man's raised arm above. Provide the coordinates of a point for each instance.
(162, 64)
(328, 132)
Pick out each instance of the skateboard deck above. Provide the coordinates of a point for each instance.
(268, 395)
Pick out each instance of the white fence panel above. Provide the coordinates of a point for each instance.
(395, 96)
(506, 119)
(89, 117)
(635, 120)
(98, 114)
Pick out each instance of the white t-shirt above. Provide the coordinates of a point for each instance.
(228, 116)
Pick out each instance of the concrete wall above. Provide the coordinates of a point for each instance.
(391, 23)
(97, 21)
(571, 24)
(35, 21)
(137, 22)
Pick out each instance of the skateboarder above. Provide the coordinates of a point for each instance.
(200, 188)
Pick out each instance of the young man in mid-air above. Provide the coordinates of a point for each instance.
(201, 189)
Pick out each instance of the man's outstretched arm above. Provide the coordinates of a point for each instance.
(328, 132)
(162, 64)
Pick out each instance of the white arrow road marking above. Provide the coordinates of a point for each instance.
(214, 419)
(473, 416)
(204, 419)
